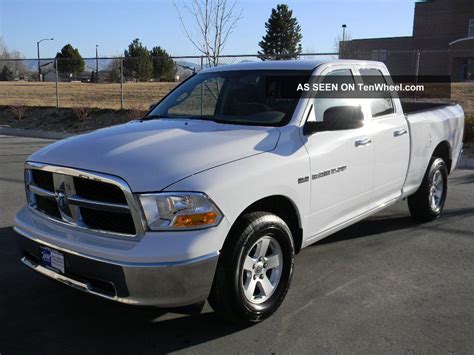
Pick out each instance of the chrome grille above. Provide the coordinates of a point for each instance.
(82, 199)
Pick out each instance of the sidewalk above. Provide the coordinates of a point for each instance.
(32, 133)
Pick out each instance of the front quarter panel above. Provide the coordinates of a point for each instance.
(237, 185)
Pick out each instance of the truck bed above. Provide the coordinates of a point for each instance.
(410, 107)
(431, 124)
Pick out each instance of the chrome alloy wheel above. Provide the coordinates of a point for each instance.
(262, 269)
(436, 191)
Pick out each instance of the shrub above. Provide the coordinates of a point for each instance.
(19, 110)
(82, 112)
(136, 112)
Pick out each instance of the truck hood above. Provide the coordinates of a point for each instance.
(151, 155)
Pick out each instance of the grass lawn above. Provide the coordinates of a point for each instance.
(82, 94)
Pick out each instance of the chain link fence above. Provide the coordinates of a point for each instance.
(125, 83)
(113, 83)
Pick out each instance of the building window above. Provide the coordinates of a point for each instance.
(379, 54)
(471, 28)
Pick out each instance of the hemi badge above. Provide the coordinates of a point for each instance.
(303, 179)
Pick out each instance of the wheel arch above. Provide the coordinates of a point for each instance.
(283, 207)
(443, 150)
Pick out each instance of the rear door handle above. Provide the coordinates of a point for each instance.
(399, 132)
(363, 141)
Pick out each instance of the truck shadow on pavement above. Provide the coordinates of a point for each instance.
(383, 223)
(463, 180)
(53, 318)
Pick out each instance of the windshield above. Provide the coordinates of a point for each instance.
(247, 97)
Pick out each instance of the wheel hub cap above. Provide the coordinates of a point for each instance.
(436, 191)
(261, 270)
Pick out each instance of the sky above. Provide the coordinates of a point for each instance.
(113, 24)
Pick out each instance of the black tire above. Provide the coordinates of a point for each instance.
(227, 296)
(419, 204)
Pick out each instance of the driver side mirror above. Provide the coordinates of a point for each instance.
(336, 118)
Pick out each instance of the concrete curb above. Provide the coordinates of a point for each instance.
(466, 163)
(34, 133)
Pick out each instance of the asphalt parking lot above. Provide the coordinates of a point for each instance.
(383, 285)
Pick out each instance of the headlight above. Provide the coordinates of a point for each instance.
(179, 210)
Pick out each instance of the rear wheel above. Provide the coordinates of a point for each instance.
(254, 270)
(428, 202)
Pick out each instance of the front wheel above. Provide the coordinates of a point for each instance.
(255, 268)
(428, 202)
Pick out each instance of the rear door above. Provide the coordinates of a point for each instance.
(390, 137)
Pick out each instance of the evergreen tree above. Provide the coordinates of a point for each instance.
(70, 61)
(137, 63)
(6, 74)
(283, 37)
(164, 68)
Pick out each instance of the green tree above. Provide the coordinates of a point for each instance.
(6, 74)
(164, 68)
(137, 63)
(113, 69)
(283, 37)
(70, 62)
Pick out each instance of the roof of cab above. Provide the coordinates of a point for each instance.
(270, 65)
(285, 65)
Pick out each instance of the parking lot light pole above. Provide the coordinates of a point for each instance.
(343, 38)
(38, 49)
(96, 63)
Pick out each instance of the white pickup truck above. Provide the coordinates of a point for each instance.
(215, 190)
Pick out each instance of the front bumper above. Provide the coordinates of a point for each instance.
(164, 284)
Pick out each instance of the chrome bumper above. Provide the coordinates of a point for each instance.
(159, 284)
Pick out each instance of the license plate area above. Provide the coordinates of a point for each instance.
(52, 259)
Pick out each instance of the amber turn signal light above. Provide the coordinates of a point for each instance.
(195, 220)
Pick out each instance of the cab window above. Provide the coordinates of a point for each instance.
(382, 103)
(321, 105)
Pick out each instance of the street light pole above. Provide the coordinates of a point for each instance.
(96, 63)
(343, 38)
(39, 61)
(39, 65)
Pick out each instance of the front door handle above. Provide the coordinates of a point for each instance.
(363, 141)
(399, 132)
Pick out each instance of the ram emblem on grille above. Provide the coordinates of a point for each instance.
(62, 201)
